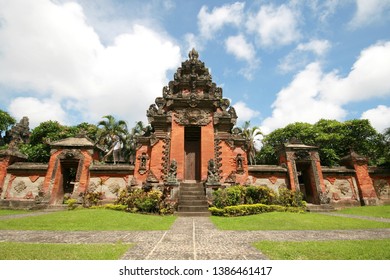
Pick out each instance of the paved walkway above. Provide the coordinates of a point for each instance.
(190, 238)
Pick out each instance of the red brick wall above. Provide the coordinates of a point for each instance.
(207, 148)
(141, 177)
(364, 181)
(156, 159)
(3, 170)
(177, 147)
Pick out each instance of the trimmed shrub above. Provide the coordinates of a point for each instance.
(252, 209)
(259, 194)
(288, 197)
(139, 200)
(229, 196)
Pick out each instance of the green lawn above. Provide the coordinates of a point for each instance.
(90, 219)
(4, 212)
(293, 221)
(34, 251)
(326, 250)
(371, 211)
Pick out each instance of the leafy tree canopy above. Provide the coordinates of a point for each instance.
(38, 150)
(6, 120)
(335, 139)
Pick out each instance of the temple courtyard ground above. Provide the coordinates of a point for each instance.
(189, 238)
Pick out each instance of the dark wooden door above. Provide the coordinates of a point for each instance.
(192, 151)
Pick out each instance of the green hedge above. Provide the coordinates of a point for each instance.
(252, 209)
(239, 195)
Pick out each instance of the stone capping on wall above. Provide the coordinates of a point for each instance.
(375, 170)
(27, 166)
(338, 170)
(266, 168)
(108, 169)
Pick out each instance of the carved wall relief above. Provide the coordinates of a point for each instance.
(143, 158)
(197, 117)
(240, 164)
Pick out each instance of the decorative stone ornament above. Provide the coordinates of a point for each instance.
(143, 158)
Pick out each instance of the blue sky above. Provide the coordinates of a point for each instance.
(278, 61)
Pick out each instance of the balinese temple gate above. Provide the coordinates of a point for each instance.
(192, 149)
(193, 140)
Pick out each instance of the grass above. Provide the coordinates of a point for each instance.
(326, 250)
(4, 212)
(90, 219)
(34, 251)
(370, 211)
(293, 221)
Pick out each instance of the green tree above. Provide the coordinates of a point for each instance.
(108, 129)
(335, 139)
(252, 134)
(6, 120)
(139, 129)
(272, 142)
(385, 160)
(38, 150)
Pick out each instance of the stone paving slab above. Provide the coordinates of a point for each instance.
(190, 238)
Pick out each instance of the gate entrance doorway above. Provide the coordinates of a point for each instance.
(69, 174)
(306, 182)
(192, 153)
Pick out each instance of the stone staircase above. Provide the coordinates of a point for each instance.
(319, 208)
(192, 200)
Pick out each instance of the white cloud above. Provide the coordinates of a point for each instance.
(49, 52)
(318, 47)
(379, 117)
(322, 9)
(244, 112)
(240, 48)
(370, 11)
(302, 101)
(368, 78)
(209, 23)
(41, 110)
(274, 25)
(313, 95)
(303, 53)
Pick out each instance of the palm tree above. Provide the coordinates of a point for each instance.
(109, 129)
(252, 134)
(131, 140)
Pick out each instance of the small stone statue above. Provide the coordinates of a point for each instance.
(239, 163)
(143, 158)
(212, 173)
(172, 172)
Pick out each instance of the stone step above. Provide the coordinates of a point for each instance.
(193, 214)
(319, 208)
(192, 208)
(192, 192)
(193, 202)
(191, 197)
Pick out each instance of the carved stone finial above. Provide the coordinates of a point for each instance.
(193, 55)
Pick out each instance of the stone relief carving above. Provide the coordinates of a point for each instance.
(239, 164)
(231, 179)
(302, 155)
(114, 188)
(143, 158)
(192, 117)
(172, 173)
(19, 187)
(151, 178)
(382, 187)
